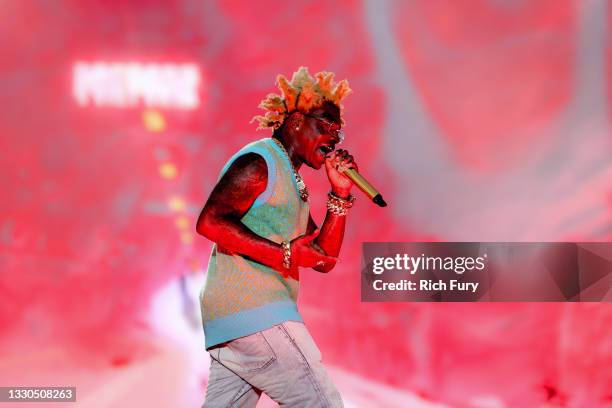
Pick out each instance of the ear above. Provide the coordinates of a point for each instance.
(297, 119)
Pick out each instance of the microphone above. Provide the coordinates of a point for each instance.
(366, 187)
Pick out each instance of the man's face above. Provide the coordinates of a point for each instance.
(317, 135)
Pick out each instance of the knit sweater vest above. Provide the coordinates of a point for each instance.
(242, 296)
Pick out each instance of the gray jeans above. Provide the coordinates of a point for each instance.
(282, 361)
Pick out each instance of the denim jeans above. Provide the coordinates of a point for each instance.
(282, 361)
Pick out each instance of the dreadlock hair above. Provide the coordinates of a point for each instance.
(303, 93)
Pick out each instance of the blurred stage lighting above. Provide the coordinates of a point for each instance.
(168, 171)
(177, 204)
(153, 121)
(182, 222)
(133, 84)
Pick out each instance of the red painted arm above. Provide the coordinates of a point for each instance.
(231, 198)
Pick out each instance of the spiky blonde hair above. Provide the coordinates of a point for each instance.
(304, 93)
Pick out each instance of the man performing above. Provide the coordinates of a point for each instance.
(258, 217)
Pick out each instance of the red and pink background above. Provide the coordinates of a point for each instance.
(478, 121)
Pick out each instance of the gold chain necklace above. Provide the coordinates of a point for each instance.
(298, 179)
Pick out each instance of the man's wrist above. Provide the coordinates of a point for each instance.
(337, 205)
(341, 193)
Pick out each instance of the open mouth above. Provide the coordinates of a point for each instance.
(325, 149)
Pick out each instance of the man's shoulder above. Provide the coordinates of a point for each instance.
(261, 150)
(249, 161)
(255, 145)
(251, 157)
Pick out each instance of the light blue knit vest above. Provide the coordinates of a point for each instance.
(241, 296)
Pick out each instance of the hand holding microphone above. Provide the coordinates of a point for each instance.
(340, 163)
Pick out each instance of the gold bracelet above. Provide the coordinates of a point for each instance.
(344, 202)
(336, 210)
(339, 206)
(286, 246)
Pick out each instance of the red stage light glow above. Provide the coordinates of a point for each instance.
(133, 84)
